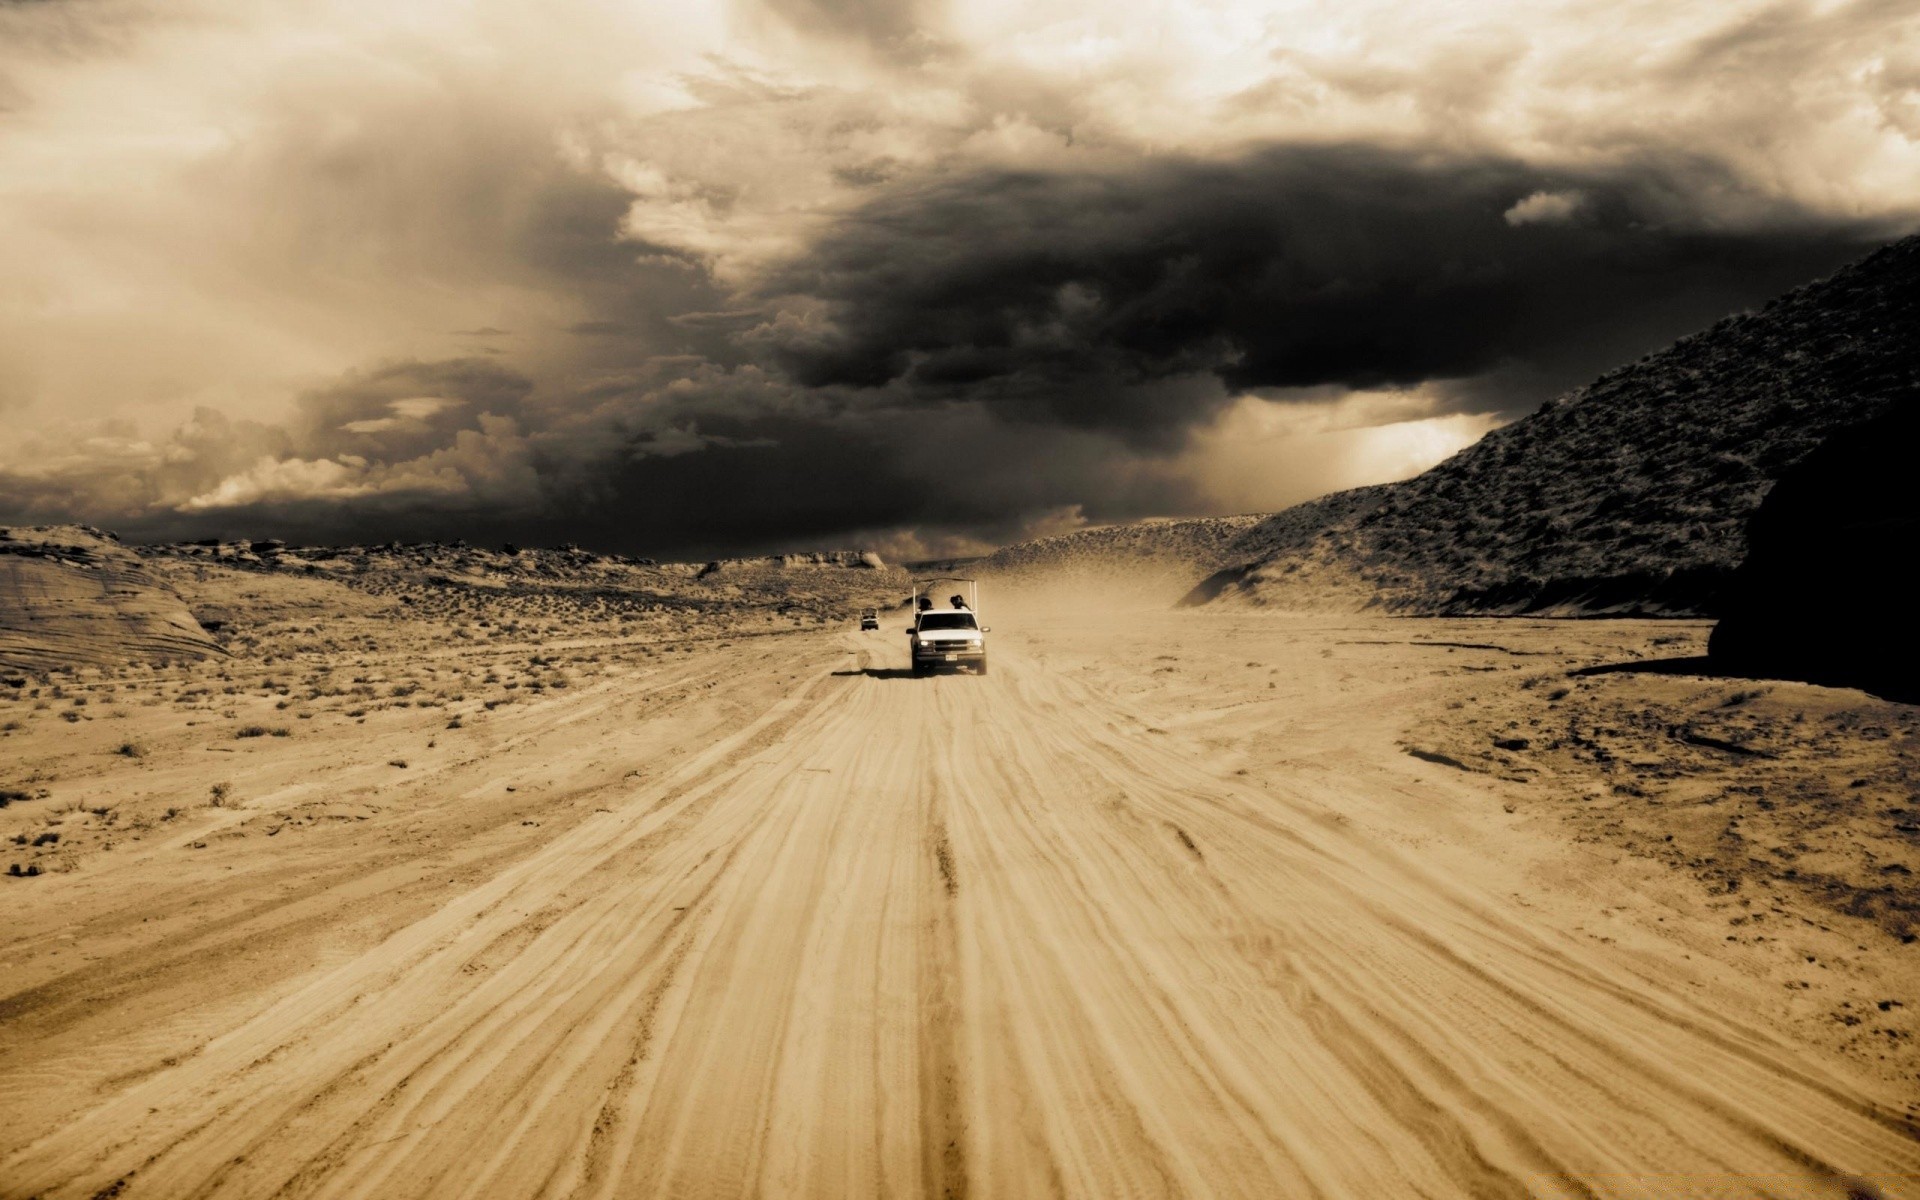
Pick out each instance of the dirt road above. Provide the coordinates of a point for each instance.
(864, 934)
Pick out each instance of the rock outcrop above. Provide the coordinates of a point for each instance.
(818, 558)
(1826, 594)
(71, 595)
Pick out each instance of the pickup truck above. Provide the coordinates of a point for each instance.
(947, 637)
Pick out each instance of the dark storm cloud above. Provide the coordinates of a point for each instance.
(680, 278)
(677, 460)
(962, 355)
(782, 481)
(404, 410)
(1095, 299)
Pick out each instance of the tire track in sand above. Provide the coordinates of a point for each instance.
(976, 937)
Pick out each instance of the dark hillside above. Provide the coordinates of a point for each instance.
(1827, 589)
(1630, 495)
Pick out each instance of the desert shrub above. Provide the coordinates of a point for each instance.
(250, 731)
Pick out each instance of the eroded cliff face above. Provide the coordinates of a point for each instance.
(71, 595)
(1827, 591)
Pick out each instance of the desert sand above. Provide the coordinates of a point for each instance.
(1172, 903)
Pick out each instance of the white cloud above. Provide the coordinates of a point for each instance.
(283, 480)
(1263, 455)
(419, 408)
(1545, 208)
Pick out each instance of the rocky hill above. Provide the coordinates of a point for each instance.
(1629, 495)
(71, 595)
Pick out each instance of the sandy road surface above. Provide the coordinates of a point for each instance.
(962, 936)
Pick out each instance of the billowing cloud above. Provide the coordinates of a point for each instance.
(1141, 295)
(1545, 208)
(684, 278)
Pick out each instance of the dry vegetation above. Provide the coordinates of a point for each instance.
(399, 643)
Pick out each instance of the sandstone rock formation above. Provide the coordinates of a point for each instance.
(72, 595)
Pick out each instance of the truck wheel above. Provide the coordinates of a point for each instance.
(919, 669)
(981, 666)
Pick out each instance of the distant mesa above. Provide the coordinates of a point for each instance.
(1826, 594)
(72, 595)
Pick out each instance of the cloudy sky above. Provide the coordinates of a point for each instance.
(681, 279)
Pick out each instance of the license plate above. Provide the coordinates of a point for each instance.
(951, 657)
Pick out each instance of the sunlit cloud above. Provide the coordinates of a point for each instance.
(1545, 208)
